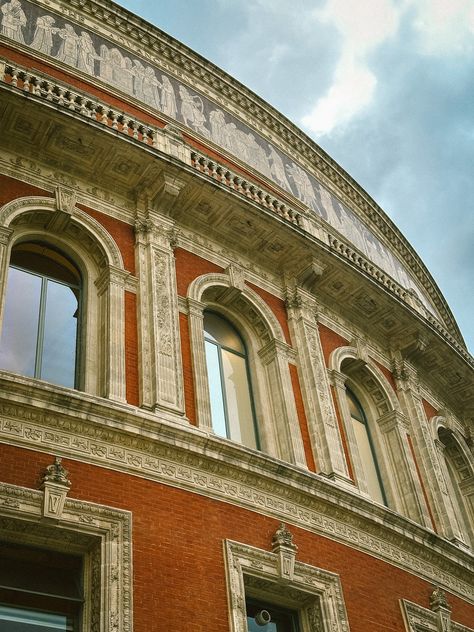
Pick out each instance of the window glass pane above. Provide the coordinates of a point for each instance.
(60, 330)
(221, 331)
(354, 407)
(253, 626)
(368, 461)
(215, 389)
(281, 619)
(20, 620)
(239, 405)
(20, 322)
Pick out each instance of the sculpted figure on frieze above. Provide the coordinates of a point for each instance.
(105, 64)
(13, 21)
(277, 168)
(43, 36)
(86, 54)
(69, 49)
(151, 87)
(168, 98)
(192, 111)
(303, 185)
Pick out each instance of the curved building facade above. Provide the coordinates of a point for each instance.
(232, 396)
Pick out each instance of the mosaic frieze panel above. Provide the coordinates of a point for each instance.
(56, 37)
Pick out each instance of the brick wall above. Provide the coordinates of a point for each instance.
(178, 564)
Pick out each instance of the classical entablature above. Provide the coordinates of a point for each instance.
(296, 205)
(161, 76)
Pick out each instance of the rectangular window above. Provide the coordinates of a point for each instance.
(267, 617)
(40, 590)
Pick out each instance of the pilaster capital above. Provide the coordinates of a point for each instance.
(277, 349)
(393, 419)
(196, 308)
(337, 379)
(301, 303)
(112, 276)
(5, 235)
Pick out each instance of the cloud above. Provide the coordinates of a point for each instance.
(444, 26)
(354, 83)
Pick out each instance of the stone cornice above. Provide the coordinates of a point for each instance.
(56, 420)
(154, 139)
(128, 30)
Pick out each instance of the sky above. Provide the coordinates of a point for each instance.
(385, 87)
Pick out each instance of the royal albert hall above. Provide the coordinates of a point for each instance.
(232, 397)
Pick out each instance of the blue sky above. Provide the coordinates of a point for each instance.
(386, 87)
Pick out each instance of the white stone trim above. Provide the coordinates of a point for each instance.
(315, 593)
(389, 431)
(102, 335)
(420, 619)
(101, 533)
(269, 357)
(319, 407)
(160, 363)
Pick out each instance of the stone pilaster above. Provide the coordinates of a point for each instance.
(286, 429)
(5, 237)
(322, 422)
(161, 374)
(201, 382)
(425, 449)
(111, 295)
(408, 496)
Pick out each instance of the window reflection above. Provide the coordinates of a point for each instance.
(229, 385)
(366, 449)
(40, 323)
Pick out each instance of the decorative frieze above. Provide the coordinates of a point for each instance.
(231, 473)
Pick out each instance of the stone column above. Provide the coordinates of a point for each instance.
(408, 496)
(198, 356)
(319, 407)
(161, 373)
(5, 237)
(111, 294)
(425, 449)
(286, 433)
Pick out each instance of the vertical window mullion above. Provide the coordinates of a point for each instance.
(40, 339)
(223, 390)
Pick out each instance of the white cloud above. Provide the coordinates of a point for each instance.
(352, 90)
(444, 26)
(362, 27)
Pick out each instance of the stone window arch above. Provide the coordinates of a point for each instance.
(60, 226)
(457, 466)
(268, 357)
(360, 384)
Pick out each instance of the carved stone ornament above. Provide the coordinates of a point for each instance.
(436, 619)
(65, 200)
(55, 486)
(283, 537)
(284, 547)
(438, 600)
(57, 473)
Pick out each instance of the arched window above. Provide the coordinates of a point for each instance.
(232, 408)
(458, 471)
(365, 448)
(42, 309)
